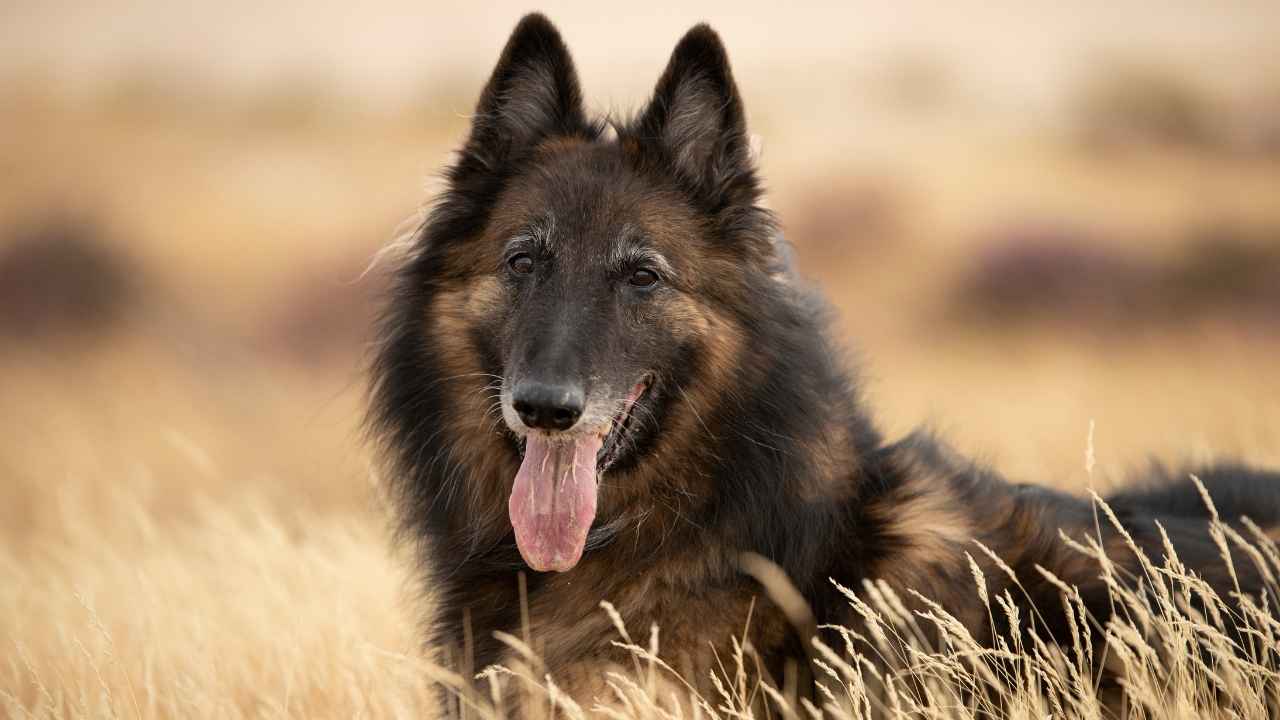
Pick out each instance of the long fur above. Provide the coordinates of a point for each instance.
(756, 443)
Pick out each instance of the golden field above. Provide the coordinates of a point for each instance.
(190, 524)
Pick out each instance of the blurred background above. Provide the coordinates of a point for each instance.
(1029, 217)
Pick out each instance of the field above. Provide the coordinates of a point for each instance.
(190, 523)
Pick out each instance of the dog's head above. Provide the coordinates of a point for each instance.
(594, 279)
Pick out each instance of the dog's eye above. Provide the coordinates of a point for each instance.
(521, 264)
(643, 278)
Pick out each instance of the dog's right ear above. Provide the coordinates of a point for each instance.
(533, 94)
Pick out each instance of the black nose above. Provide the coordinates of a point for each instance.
(548, 407)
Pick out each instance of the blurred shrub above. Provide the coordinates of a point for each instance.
(836, 224)
(1148, 107)
(60, 279)
(142, 92)
(1033, 269)
(1258, 127)
(1054, 274)
(1226, 269)
(1120, 107)
(327, 315)
(294, 103)
(916, 84)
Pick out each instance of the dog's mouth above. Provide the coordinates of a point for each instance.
(618, 437)
(553, 498)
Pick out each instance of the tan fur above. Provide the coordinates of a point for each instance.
(832, 461)
(575, 637)
(475, 423)
(934, 528)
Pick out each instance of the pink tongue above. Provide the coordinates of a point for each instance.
(553, 502)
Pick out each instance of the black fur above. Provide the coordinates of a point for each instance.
(781, 460)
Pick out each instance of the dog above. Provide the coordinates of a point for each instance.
(597, 378)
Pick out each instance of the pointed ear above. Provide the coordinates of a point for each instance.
(696, 122)
(532, 94)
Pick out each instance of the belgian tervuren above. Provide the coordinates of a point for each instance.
(597, 370)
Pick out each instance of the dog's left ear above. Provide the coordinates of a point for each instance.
(695, 122)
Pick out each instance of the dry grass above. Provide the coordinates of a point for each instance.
(245, 610)
(187, 521)
(233, 615)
